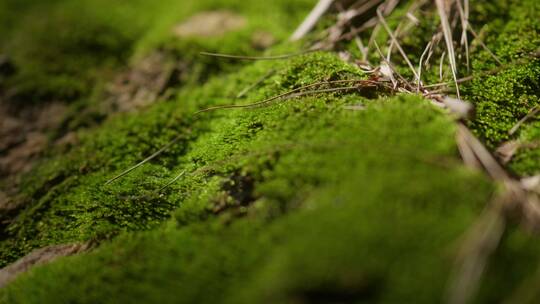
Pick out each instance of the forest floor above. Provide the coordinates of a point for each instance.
(204, 151)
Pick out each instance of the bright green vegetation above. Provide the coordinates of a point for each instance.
(502, 93)
(67, 199)
(297, 201)
(300, 199)
(503, 98)
(526, 161)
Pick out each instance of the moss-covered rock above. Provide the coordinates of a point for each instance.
(66, 196)
(312, 200)
(355, 195)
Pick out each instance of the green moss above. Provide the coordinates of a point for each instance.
(62, 49)
(312, 200)
(525, 162)
(502, 93)
(59, 49)
(66, 199)
(503, 98)
(300, 200)
(509, 269)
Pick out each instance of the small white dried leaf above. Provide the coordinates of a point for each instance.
(460, 107)
(345, 56)
(531, 183)
(386, 71)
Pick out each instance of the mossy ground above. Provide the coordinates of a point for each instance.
(504, 98)
(502, 92)
(303, 182)
(299, 201)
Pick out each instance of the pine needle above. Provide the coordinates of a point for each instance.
(268, 100)
(532, 112)
(464, 17)
(287, 95)
(241, 57)
(311, 20)
(173, 180)
(149, 158)
(398, 45)
(449, 42)
(424, 53)
(255, 84)
(484, 46)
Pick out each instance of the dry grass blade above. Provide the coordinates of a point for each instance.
(357, 30)
(362, 7)
(398, 45)
(402, 28)
(484, 46)
(467, 154)
(531, 114)
(361, 48)
(149, 158)
(424, 53)
(373, 22)
(287, 95)
(479, 244)
(311, 20)
(177, 177)
(268, 100)
(388, 7)
(483, 239)
(441, 63)
(330, 90)
(255, 84)
(241, 57)
(489, 163)
(359, 8)
(531, 211)
(447, 31)
(464, 17)
(531, 183)
(386, 68)
(434, 43)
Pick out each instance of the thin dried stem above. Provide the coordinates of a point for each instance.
(532, 112)
(467, 154)
(149, 158)
(256, 83)
(311, 20)
(464, 17)
(480, 243)
(492, 167)
(268, 100)
(286, 95)
(241, 57)
(426, 50)
(177, 177)
(441, 63)
(448, 39)
(401, 51)
(484, 46)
